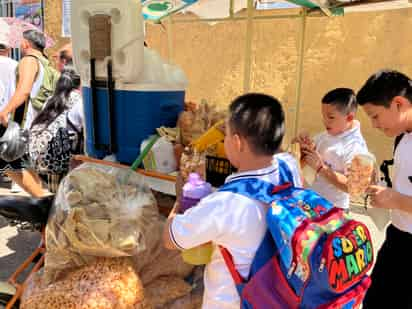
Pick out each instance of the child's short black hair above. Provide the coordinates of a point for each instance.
(344, 99)
(260, 119)
(383, 86)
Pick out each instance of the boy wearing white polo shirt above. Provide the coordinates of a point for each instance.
(386, 97)
(332, 151)
(254, 132)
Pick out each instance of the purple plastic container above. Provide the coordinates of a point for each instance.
(193, 191)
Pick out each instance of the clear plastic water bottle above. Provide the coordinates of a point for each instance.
(193, 191)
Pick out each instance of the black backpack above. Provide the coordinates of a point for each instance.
(386, 163)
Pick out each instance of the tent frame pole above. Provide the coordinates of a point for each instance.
(299, 71)
(236, 18)
(248, 47)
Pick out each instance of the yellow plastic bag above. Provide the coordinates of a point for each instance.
(200, 255)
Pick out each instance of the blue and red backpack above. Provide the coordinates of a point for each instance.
(314, 255)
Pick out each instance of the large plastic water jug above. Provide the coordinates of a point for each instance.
(126, 39)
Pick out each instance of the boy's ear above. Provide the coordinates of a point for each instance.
(238, 142)
(25, 44)
(241, 143)
(400, 102)
(350, 116)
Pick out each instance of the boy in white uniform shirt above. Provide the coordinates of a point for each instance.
(335, 148)
(386, 98)
(7, 75)
(254, 132)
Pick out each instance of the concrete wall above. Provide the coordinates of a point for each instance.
(339, 52)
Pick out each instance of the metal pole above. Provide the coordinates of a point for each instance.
(234, 18)
(232, 8)
(248, 47)
(299, 71)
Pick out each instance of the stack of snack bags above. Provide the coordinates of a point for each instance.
(192, 124)
(104, 248)
(361, 173)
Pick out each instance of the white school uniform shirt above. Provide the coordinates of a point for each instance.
(75, 113)
(402, 181)
(337, 153)
(232, 221)
(7, 80)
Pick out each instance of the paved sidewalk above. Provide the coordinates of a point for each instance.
(15, 246)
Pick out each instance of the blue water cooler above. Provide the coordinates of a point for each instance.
(118, 120)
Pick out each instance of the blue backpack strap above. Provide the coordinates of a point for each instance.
(263, 191)
(285, 175)
(257, 189)
(252, 188)
(265, 252)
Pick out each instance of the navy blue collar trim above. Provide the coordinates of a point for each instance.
(253, 175)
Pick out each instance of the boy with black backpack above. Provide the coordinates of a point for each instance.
(386, 98)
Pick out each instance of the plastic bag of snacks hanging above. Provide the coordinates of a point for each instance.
(196, 120)
(192, 161)
(99, 212)
(361, 174)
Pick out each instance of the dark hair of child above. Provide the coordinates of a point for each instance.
(260, 119)
(383, 86)
(344, 99)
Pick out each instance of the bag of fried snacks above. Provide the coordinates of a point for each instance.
(99, 211)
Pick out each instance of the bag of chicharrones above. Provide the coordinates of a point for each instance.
(99, 211)
(106, 283)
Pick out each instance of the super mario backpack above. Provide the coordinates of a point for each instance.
(313, 255)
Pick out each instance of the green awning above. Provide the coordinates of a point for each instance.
(155, 10)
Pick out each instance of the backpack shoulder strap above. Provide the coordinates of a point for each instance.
(259, 189)
(262, 191)
(285, 175)
(252, 188)
(43, 60)
(397, 141)
(33, 56)
(266, 251)
(386, 163)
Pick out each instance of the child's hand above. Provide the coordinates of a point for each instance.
(301, 138)
(305, 141)
(312, 158)
(382, 197)
(296, 140)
